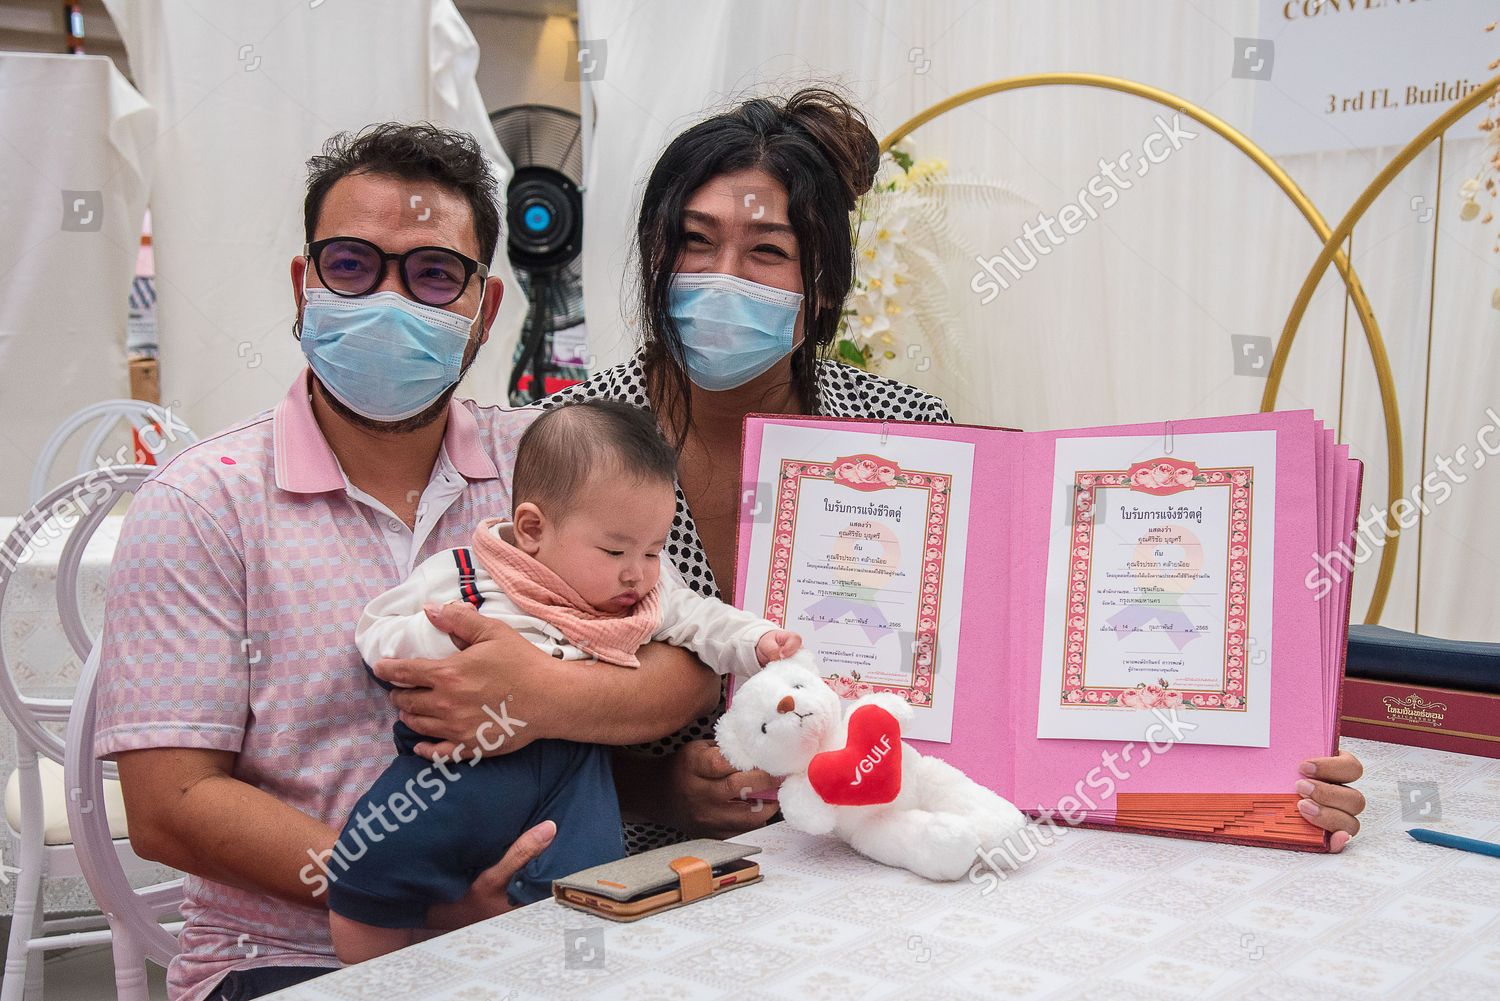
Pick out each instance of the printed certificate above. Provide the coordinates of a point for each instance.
(1159, 589)
(858, 543)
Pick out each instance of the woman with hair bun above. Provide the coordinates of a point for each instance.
(745, 253)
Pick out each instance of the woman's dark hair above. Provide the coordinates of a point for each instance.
(413, 152)
(820, 148)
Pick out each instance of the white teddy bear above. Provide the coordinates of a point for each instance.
(854, 777)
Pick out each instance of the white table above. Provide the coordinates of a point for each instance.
(39, 654)
(1097, 915)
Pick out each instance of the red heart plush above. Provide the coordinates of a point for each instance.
(867, 770)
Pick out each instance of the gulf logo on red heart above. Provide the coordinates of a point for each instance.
(866, 771)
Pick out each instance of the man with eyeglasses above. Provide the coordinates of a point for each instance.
(231, 693)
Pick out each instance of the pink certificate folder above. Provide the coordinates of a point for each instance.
(1240, 794)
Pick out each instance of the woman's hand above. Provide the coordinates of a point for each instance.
(1327, 800)
(487, 896)
(707, 798)
(464, 700)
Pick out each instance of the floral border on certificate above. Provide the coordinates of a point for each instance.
(868, 473)
(1161, 476)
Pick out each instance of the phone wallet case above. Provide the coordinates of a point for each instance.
(687, 867)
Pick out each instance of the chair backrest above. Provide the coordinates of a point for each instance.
(134, 915)
(105, 416)
(81, 502)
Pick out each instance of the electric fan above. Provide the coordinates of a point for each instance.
(545, 222)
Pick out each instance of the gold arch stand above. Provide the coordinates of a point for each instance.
(1332, 251)
(1332, 242)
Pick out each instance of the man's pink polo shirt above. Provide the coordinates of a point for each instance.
(242, 568)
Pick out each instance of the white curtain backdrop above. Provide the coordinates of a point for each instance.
(75, 152)
(1131, 318)
(246, 93)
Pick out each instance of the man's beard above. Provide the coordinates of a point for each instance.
(406, 425)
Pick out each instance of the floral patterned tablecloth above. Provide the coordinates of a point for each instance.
(1096, 915)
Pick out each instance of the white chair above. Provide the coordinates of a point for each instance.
(40, 788)
(105, 416)
(134, 916)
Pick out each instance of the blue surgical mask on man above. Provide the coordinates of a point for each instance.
(731, 329)
(383, 356)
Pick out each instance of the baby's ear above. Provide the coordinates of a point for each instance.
(526, 525)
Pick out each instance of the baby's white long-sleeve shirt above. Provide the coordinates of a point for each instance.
(394, 625)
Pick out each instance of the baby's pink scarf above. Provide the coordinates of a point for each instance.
(539, 592)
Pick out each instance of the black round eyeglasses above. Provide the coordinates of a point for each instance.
(434, 276)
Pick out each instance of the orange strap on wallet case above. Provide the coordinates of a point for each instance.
(694, 876)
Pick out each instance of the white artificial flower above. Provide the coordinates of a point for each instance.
(888, 174)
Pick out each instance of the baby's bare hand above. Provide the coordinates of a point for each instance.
(778, 644)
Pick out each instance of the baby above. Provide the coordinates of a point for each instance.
(578, 571)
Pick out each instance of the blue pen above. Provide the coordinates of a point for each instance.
(1454, 841)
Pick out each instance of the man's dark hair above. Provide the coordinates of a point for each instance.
(414, 152)
(567, 445)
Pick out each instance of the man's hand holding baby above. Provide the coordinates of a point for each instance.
(458, 698)
(496, 672)
(778, 644)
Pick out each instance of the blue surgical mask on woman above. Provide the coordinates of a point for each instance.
(383, 356)
(731, 329)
